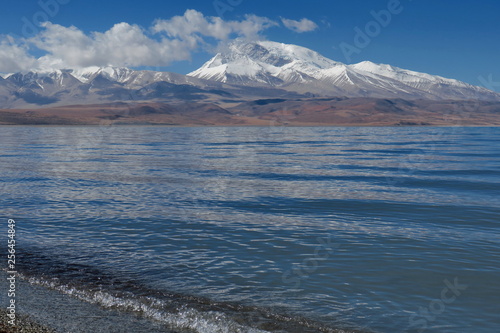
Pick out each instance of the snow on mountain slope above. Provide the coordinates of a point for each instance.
(116, 74)
(47, 82)
(96, 85)
(300, 69)
(241, 71)
(130, 78)
(263, 62)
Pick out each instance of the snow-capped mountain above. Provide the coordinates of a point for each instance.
(263, 63)
(243, 71)
(299, 69)
(97, 85)
(55, 79)
(129, 77)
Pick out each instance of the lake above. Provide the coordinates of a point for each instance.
(255, 229)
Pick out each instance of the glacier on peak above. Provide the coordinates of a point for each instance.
(118, 74)
(241, 70)
(302, 70)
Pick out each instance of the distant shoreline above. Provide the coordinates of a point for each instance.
(311, 112)
(257, 126)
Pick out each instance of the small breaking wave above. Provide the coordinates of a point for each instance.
(185, 313)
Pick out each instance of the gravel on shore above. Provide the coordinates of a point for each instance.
(24, 324)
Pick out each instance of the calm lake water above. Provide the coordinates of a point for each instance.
(263, 229)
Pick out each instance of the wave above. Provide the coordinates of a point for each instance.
(185, 313)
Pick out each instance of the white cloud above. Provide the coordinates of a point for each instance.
(14, 57)
(125, 44)
(166, 41)
(193, 24)
(304, 25)
(122, 45)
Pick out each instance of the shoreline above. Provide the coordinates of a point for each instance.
(255, 126)
(310, 112)
(41, 309)
(24, 324)
(44, 310)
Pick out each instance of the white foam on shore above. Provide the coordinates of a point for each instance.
(185, 318)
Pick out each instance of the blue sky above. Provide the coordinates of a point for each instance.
(456, 39)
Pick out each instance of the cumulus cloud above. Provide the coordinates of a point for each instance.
(124, 44)
(304, 25)
(193, 24)
(14, 56)
(130, 45)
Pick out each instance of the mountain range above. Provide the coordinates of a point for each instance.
(301, 70)
(242, 71)
(259, 79)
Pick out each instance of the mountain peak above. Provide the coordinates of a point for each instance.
(298, 69)
(117, 74)
(262, 62)
(242, 70)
